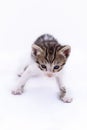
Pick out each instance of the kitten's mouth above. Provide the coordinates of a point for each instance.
(49, 74)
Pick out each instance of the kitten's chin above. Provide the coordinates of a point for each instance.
(49, 74)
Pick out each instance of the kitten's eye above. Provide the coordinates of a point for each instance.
(43, 66)
(56, 67)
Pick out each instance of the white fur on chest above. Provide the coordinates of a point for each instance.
(34, 70)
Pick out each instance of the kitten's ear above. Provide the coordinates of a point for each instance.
(66, 50)
(36, 50)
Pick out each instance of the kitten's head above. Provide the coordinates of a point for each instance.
(49, 55)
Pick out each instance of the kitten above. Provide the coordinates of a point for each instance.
(48, 57)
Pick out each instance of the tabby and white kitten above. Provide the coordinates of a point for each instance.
(48, 57)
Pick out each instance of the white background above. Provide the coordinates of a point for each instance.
(21, 22)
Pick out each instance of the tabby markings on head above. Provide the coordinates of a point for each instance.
(49, 54)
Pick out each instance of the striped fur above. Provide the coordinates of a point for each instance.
(47, 51)
(48, 57)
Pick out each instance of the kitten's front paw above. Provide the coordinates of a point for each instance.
(17, 91)
(66, 99)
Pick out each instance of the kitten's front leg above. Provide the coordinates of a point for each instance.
(30, 71)
(22, 71)
(64, 95)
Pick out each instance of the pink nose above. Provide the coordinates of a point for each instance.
(49, 74)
